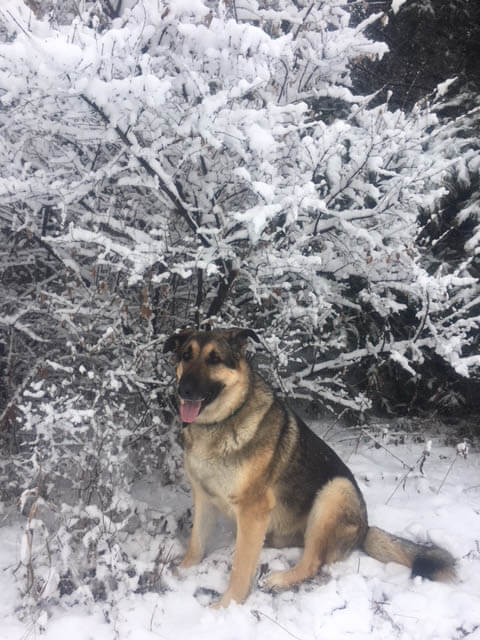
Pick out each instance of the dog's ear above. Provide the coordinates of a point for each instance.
(177, 340)
(238, 337)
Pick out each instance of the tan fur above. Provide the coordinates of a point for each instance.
(386, 547)
(333, 529)
(240, 493)
(249, 457)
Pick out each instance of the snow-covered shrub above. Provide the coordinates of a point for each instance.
(449, 240)
(87, 423)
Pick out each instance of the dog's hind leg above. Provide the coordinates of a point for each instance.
(336, 525)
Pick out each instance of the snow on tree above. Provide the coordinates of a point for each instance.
(198, 149)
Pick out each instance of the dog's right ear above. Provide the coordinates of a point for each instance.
(238, 338)
(177, 340)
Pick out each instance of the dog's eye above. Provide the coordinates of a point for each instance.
(187, 355)
(213, 358)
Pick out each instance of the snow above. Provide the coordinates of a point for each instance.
(257, 218)
(396, 4)
(357, 598)
(443, 87)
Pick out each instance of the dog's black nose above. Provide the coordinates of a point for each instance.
(188, 390)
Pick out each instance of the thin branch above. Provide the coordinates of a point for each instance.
(403, 478)
(284, 82)
(223, 289)
(198, 301)
(375, 351)
(300, 26)
(424, 319)
(257, 613)
(380, 444)
(447, 473)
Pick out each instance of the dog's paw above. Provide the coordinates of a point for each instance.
(272, 582)
(207, 597)
(222, 603)
(280, 581)
(228, 598)
(174, 569)
(189, 561)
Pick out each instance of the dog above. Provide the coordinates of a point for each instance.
(250, 457)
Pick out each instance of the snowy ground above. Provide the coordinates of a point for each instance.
(359, 598)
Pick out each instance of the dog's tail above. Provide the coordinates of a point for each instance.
(428, 561)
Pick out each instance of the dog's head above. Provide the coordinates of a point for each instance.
(212, 373)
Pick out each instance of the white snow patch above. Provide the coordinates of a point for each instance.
(396, 4)
(358, 598)
(443, 87)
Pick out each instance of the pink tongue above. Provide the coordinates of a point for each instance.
(189, 410)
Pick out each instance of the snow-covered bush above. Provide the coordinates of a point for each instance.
(197, 151)
(445, 77)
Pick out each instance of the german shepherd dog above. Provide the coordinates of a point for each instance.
(249, 456)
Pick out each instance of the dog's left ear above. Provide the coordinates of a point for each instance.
(238, 337)
(177, 340)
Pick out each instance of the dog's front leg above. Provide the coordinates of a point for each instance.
(204, 514)
(252, 523)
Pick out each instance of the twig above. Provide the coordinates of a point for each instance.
(226, 282)
(462, 450)
(403, 478)
(334, 424)
(302, 24)
(19, 24)
(152, 617)
(384, 447)
(423, 320)
(257, 613)
(447, 473)
(198, 301)
(284, 84)
(473, 488)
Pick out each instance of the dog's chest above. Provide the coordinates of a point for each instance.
(216, 477)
